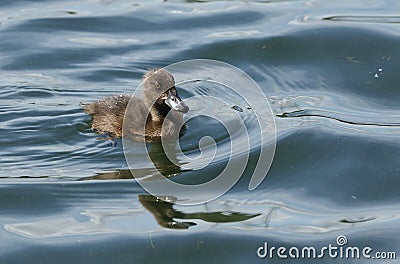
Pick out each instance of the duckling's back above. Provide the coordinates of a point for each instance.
(108, 114)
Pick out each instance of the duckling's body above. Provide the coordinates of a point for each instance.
(108, 113)
(158, 114)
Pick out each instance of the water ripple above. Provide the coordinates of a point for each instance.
(330, 70)
(364, 19)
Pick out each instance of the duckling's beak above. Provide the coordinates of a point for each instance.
(176, 103)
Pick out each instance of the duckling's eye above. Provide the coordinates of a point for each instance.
(157, 85)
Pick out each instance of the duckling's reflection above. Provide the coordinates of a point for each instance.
(160, 160)
(164, 213)
(167, 165)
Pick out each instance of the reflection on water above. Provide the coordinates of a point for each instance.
(163, 212)
(87, 209)
(166, 165)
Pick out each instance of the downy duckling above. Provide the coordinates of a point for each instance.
(145, 117)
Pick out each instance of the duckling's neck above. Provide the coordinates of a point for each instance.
(159, 113)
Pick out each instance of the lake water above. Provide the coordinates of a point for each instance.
(331, 73)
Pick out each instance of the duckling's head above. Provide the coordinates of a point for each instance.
(160, 92)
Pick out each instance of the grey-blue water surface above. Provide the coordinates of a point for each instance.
(330, 69)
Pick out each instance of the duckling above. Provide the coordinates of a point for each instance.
(145, 117)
